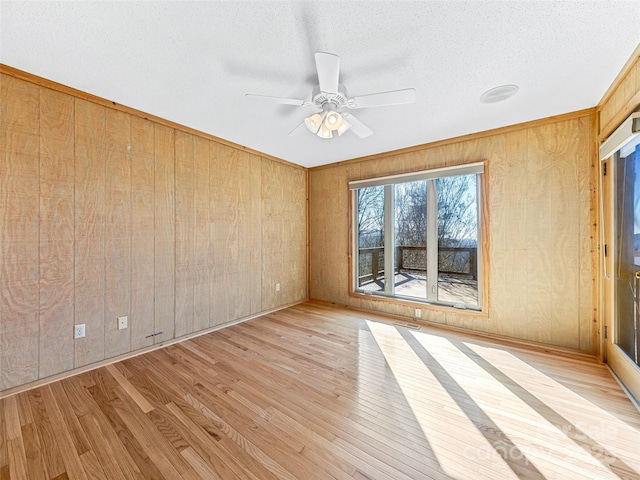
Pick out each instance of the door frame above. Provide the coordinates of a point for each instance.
(624, 369)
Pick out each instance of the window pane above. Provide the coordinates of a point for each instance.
(429, 229)
(370, 238)
(457, 239)
(411, 239)
(628, 254)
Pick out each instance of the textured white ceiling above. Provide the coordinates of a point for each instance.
(192, 62)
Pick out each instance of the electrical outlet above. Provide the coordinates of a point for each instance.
(418, 313)
(277, 287)
(78, 331)
(122, 322)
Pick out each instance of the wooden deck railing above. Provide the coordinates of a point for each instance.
(376, 269)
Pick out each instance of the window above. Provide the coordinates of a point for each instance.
(627, 252)
(417, 236)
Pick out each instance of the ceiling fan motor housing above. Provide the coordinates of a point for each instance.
(329, 101)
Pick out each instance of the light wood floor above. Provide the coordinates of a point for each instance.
(314, 392)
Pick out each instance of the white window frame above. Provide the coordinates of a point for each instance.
(430, 176)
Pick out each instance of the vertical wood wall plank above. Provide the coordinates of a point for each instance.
(240, 171)
(272, 250)
(221, 229)
(255, 225)
(217, 312)
(587, 249)
(318, 229)
(164, 233)
(185, 233)
(202, 267)
(294, 232)
(233, 236)
(19, 227)
(572, 169)
(507, 215)
(141, 319)
(89, 237)
(541, 151)
(331, 198)
(56, 232)
(117, 231)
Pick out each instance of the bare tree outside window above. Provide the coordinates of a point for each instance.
(457, 224)
(371, 217)
(411, 213)
(457, 210)
(370, 202)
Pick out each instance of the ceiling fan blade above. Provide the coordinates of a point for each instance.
(279, 100)
(299, 127)
(357, 127)
(328, 67)
(395, 97)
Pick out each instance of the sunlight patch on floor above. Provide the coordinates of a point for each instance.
(446, 427)
(611, 435)
(536, 437)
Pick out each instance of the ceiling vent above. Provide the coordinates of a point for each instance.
(499, 94)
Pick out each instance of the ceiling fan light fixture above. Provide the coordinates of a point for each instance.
(344, 127)
(333, 120)
(324, 131)
(314, 122)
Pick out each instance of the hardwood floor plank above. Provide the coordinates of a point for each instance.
(92, 466)
(4, 456)
(33, 452)
(277, 444)
(315, 392)
(133, 458)
(258, 454)
(199, 465)
(188, 436)
(142, 379)
(153, 443)
(17, 459)
(69, 454)
(16, 454)
(105, 454)
(135, 395)
(319, 449)
(24, 410)
(252, 469)
(46, 432)
(79, 438)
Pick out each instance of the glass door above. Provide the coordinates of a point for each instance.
(627, 258)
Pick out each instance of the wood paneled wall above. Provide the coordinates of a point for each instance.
(622, 98)
(105, 214)
(541, 217)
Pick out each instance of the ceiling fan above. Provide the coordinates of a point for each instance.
(330, 100)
